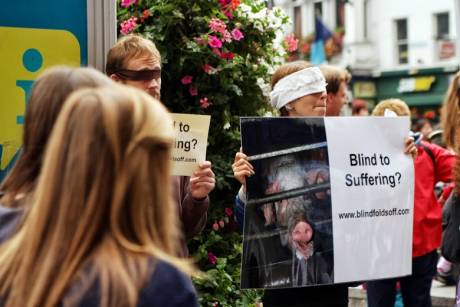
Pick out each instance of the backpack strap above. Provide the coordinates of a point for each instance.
(429, 152)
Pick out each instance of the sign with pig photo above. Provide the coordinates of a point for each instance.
(331, 201)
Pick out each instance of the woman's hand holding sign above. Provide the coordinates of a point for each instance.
(410, 147)
(242, 168)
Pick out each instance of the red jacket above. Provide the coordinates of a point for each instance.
(427, 210)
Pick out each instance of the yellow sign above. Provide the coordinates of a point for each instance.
(417, 84)
(190, 144)
(24, 53)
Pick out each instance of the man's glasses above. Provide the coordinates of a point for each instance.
(139, 75)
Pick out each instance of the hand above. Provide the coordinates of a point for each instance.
(242, 168)
(410, 147)
(202, 181)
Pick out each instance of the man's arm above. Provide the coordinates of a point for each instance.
(195, 201)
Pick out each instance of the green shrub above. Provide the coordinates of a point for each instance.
(226, 50)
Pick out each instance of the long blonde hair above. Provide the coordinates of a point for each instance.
(101, 214)
(450, 114)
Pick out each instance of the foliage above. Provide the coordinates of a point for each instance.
(217, 56)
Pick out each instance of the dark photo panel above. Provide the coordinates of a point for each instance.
(288, 217)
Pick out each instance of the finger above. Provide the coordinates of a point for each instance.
(208, 186)
(204, 173)
(202, 179)
(410, 148)
(242, 175)
(243, 168)
(240, 156)
(242, 162)
(205, 165)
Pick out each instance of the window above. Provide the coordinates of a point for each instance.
(340, 13)
(365, 9)
(442, 26)
(297, 22)
(317, 9)
(402, 41)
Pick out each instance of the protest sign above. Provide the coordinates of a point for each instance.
(331, 201)
(190, 143)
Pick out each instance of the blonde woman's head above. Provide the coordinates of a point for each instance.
(394, 104)
(102, 200)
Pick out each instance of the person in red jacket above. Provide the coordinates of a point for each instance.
(432, 164)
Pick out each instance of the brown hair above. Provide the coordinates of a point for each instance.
(394, 104)
(450, 114)
(47, 97)
(101, 211)
(127, 48)
(334, 76)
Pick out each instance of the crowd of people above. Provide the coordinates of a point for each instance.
(128, 246)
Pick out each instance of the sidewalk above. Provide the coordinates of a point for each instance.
(441, 296)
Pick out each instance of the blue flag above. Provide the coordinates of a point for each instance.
(322, 33)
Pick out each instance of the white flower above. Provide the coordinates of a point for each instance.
(227, 126)
(258, 25)
(274, 18)
(265, 88)
(260, 15)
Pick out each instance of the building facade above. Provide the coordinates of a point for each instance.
(405, 49)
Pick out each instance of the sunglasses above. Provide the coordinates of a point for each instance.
(139, 75)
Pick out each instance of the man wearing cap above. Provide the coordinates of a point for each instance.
(135, 61)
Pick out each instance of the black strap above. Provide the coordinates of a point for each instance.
(429, 152)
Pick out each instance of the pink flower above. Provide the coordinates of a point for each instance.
(128, 26)
(216, 51)
(126, 3)
(291, 42)
(221, 224)
(205, 103)
(214, 42)
(217, 25)
(212, 259)
(215, 304)
(215, 226)
(237, 35)
(209, 69)
(193, 91)
(227, 55)
(226, 36)
(200, 41)
(186, 79)
(229, 14)
(228, 211)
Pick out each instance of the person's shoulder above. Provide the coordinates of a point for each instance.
(9, 220)
(168, 286)
(436, 148)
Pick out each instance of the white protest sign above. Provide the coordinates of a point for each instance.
(190, 143)
(331, 201)
(372, 190)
